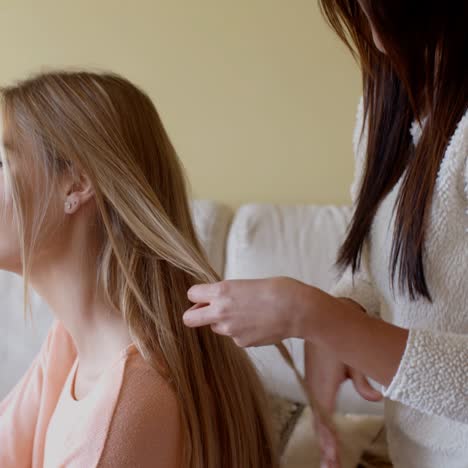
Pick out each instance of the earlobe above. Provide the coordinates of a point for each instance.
(72, 204)
(78, 193)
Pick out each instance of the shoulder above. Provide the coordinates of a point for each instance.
(459, 145)
(143, 387)
(456, 152)
(145, 430)
(453, 172)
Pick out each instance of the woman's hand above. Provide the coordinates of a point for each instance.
(266, 311)
(324, 374)
(254, 312)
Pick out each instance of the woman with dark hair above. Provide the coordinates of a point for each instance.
(405, 258)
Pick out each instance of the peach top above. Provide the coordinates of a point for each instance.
(129, 418)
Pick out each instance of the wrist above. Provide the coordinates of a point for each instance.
(326, 315)
(316, 306)
(303, 315)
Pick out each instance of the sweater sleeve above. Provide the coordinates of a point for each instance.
(19, 412)
(433, 374)
(358, 287)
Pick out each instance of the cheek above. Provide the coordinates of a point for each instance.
(52, 239)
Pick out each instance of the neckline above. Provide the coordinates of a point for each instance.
(70, 391)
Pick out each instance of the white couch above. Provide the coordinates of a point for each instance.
(253, 241)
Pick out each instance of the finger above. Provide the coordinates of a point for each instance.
(326, 395)
(198, 305)
(199, 317)
(205, 292)
(220, 329)
(324, 463)
(329, 463)
(363, 387)
(328, 440)
(323, 375)
(329, 447)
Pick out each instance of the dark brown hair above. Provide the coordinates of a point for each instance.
(423, 76)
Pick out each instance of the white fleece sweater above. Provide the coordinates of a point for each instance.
(426, 404)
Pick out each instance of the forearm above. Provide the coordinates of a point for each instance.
(365, 343)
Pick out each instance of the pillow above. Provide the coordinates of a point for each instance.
(285, 414)
(376, 455)
(358, 434)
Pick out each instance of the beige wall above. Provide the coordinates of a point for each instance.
(258, 95)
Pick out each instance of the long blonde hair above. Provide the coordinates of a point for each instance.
(150, 255)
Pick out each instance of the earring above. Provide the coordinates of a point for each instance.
(71, 204)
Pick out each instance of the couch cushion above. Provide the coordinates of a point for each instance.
(212, 222)
(296, 241)
(300, 242)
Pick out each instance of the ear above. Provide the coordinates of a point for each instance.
(78, 192)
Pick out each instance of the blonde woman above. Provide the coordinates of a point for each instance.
(95, 217)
